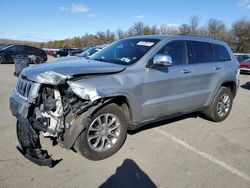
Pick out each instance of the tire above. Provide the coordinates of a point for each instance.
(38, 60)
(221, 106)
(1, 59)
(58, 55)
(101, 140)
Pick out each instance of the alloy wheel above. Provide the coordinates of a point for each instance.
(104, 132)
(223, 105)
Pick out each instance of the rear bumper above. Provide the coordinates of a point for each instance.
(245, 70)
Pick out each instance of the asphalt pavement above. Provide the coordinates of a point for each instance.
(183, 152)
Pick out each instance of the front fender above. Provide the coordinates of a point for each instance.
(76, 125)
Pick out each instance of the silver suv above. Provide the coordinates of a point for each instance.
(90, 104)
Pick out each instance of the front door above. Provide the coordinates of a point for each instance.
(168, 90)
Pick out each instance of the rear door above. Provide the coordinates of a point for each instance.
(208, 72)
(28, 50)
(168, 90)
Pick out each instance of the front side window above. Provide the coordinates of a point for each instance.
(125, 52)
(200, 52)
(177, 51)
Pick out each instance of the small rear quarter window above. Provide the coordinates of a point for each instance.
(220, 53)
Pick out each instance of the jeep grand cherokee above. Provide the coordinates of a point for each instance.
(90, 104)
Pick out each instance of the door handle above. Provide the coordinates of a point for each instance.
(217, 68)
(184, 71)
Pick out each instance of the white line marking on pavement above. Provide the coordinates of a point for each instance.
(205, 155)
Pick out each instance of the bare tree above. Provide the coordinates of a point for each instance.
(120, 34)
(184, 29)
(241, 31)
(168, 29)
(155, 30)
(137, 28)
(194, 25)
(216, 28)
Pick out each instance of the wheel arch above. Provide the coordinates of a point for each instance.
(230, 85)
(72, 133)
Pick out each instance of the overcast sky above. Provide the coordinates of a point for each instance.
(43, 20)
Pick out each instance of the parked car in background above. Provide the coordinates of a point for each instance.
(241, 57)
(9, 51)
(75, 52)
(61, 52)
(90, 51)
(245, 66)
(50, 52)
(64, 52)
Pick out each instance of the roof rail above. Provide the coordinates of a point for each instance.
(193, 35)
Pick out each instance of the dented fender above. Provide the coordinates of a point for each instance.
(108, 86)
(77, 126)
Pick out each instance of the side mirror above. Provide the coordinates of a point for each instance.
(162, 60)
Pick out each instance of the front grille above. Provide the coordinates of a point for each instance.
(23, 87)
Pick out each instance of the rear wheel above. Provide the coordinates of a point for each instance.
(38, 60)
(104, 134)
(221, 106)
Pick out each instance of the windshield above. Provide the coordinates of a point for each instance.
(6, 47)
(125, 52)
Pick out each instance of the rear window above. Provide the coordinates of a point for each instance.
(220, 53)
(200, 52)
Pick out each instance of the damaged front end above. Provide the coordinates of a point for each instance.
(50, 107)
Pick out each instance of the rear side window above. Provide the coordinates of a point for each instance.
(221, 53)
(200, 52)
(28, 49)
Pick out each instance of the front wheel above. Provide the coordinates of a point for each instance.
(221, 106)
(105, 133)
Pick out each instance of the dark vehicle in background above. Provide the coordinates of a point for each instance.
(75, 52)
(90, 51)
(245, 66)
(242, 57)
(64, 52)
(7, 53)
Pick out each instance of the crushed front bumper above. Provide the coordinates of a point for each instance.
(28, 136)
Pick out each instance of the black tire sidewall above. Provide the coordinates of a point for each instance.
(40, 60)
(82, 143)
(215, 116)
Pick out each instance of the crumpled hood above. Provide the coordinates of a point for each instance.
(57, 72)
